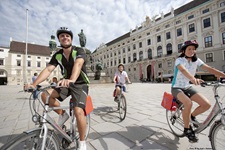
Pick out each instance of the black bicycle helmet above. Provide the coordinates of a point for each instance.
(120, 65)
(188, 43)
(64, 30)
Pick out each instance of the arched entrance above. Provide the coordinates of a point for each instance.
(3, 77)
(149, 72)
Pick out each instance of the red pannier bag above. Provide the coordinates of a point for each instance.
(89, 105)
(167, 101)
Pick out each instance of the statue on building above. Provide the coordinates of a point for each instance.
(82, 38)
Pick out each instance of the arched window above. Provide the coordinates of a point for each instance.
(169, 50)
(140, 55)
(149, 53)
(159, 51)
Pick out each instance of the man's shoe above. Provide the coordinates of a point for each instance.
(63, 118)
(190, 134)
(82, 146)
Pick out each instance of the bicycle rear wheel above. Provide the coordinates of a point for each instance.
(31, 140)
(175, 121)
(122, 107)
(218, 136)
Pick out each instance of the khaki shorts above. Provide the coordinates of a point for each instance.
(78, 92)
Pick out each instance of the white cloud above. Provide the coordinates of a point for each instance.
(102, 20)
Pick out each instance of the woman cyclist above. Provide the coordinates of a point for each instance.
(184, 72)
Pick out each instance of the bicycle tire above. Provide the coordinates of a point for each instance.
(175, 122)
(122, 108)
(217, 136)
(31, 140)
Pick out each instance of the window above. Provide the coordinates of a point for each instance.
(1, 62)
(149, 41)
(169, 49)
(110, 54)
(124, 60)
(18, 55)
(159, 51)
(191, 27)
(179, 32)
(140, 44)
(1, 50)
(114, 62)
(28, 63)
(38, 57)
(209, 57)
(205, 11)
(158, 38)
(129, 59)
(28, 56)
(148, 33)
(114, 53)
(149, 53)
(222, 17)
(179, 47)
(169, 62)
(223, 37)
(134, 46)
(159, 65)
(222, 4)
(124, 51)
(157, 29)
(134, 57)
(18, 62)
(191, 16)
(168, 35)
(140, 55)
(38, 64)
(208, 41)
(206, 23)
(119, 61)
(128, 48)
(119, 52)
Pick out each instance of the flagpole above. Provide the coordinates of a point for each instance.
(25, 78)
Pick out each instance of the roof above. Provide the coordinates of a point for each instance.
(188, 6)
(32, 49)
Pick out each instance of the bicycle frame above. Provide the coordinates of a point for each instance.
(47, 119)
(217, 108)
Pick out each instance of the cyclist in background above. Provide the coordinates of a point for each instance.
(72, 61)
(120, 79)
(184, 72)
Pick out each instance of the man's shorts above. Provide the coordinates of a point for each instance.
(123, 87)
(78, 92)
(190, 91)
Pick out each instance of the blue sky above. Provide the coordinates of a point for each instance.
(101, 20)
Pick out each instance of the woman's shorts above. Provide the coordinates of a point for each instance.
(78, 92)
(190, 91)
(123, 87)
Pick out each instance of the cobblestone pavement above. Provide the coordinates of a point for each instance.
(145, 126)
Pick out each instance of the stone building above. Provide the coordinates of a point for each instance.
(150, 49)
(15, 68)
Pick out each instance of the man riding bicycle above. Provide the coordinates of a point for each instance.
(120, 79)
(72, 61)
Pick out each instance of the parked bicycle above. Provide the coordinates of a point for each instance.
(43, 137)
(217, 130)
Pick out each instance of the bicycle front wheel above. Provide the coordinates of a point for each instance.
(218, 136)
(31, 141)
(175, 121)
(122, 108)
